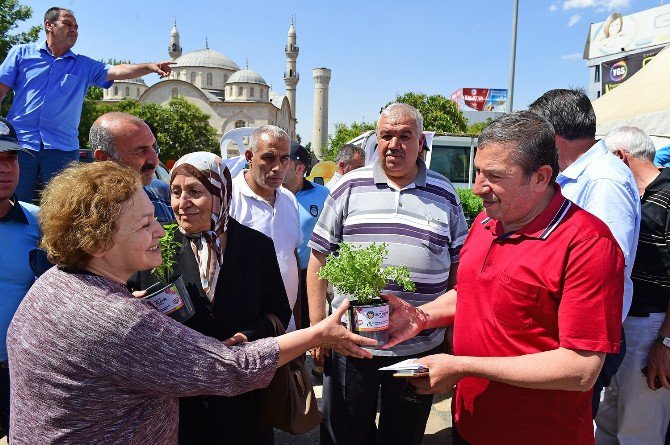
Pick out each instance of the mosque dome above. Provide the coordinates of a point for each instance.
(206, 58)
(247, 76)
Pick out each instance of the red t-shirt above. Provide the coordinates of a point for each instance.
(557, 281)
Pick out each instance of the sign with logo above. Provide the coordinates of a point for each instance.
(480, 99)
(616, 71)
(621, 33)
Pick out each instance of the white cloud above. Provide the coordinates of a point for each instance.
(553, 8)
(573, 56)
(601, 5)
(572, 4)
(573, 20)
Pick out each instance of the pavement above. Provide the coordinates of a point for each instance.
(438, 428)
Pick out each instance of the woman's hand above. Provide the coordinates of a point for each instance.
(236, 339)
(332, 335)
(405, 321)
(139, 293)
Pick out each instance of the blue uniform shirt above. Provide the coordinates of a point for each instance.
(310, 203)
(159, 195)
(49, 93)
(662, 157)
(20, 234)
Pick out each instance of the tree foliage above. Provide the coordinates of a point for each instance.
(343, 134)
(11, 13)
(479, 126)
(439, 113)
(182, 127)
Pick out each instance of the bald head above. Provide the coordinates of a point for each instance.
(126, 139)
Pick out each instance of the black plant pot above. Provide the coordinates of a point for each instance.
(172, 300)
(370, 319)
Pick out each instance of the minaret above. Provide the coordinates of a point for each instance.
(174, 50)
(291, 76)
(320, 132)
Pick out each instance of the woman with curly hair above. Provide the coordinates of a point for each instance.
(91, 363)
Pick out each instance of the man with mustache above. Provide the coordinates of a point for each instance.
(128, 140)
(49, 83)
(259, 201)
(416, 212)
(538, 301)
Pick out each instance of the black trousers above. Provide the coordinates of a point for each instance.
(351, 388)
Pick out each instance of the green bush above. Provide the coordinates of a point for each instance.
(472, 204)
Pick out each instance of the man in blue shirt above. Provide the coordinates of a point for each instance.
(128, 140)
(310, 197)
(20, 234)
(662, 156)
(597, 181)
(49, 83)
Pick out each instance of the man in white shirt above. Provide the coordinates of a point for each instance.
(260, 202)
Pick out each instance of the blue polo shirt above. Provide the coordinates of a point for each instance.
(310, 203)
(49, 93)
(20, 234)
(159, 194)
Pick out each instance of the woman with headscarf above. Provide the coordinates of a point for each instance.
(92, 364)
(233, 279)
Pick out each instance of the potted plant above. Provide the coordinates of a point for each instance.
(358, 273)
(169, 295)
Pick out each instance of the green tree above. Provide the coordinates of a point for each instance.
(11, 13)
(182, 127)
(343, 134)
(477, 128)
(439, 113)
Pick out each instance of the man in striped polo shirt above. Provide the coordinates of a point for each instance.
(620, 419)
(397, 201)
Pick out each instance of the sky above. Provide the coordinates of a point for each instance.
(375, 49)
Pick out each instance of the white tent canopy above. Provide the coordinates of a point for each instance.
(642, 101)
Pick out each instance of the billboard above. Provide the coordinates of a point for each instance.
(629, 33)
(480, 99)
(615, 72)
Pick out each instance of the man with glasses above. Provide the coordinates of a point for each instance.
(49, 83)
(128, 140)
(20, 234)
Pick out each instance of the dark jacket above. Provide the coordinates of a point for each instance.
(249, 286)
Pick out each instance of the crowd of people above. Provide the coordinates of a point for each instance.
(557, 294)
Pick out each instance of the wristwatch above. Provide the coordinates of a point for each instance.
(664, 340)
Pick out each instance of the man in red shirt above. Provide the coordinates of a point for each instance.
(537, 304)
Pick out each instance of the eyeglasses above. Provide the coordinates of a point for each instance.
(144, 150)
(69, 24)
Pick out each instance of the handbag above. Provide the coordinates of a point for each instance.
(288, 402)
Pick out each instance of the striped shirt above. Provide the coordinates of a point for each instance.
(422, 224)
(651, 272)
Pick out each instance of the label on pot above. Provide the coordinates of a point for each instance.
(167, 301)
(371, 318)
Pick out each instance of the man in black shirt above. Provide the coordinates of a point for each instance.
(635, 408)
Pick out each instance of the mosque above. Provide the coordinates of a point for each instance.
(231, 96)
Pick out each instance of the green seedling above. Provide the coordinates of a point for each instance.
(169, 249)
(358, 272)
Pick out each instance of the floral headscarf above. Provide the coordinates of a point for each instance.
(210, 170)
